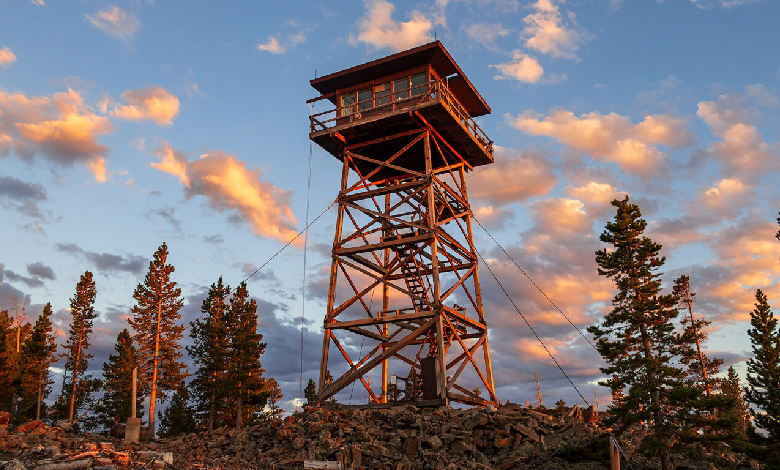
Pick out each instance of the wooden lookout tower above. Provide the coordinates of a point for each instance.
(404, 288)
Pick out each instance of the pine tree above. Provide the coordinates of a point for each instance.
(740, 415)
(637, 338)
(116, 404)
(7, 363)
(245, 374)
(38, 353)
(699, 367)
(763, 376)
(274, 394)
(310, 392)
(77, 345)
(157, 333)
(209, 353)
(179, 417)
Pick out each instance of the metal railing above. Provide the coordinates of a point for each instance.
(399, 100)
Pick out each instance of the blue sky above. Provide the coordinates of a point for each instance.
(124, 125)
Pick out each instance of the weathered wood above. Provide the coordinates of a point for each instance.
(321, 465)
(614, 455)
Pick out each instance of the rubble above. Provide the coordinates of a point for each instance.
(399, 438)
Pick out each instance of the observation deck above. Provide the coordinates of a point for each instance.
(378, 104)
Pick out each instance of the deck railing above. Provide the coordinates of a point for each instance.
(400, 100)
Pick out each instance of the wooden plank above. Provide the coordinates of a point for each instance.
(321, 465)
(382, 245)
(379, 320)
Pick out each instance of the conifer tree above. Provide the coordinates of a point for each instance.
(115, 406)
(209, 353)
(274, 394)
(763, 375)
(637, 338)
(77, 345)
(157, 332)
(245, 374)
(179, 417)
(38, 353)
(7, 363)
(699, 367)
(740, 415)
(310, 392)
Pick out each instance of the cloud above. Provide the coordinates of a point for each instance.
(721, 3)
(546, 32)
(40, 270)
(597, 197)
(116, 22)
(20, 190)
(107, 263)
(514, 177)
(6, 57)
(274, 46)
(230, 186)
(486, 34)
(557, 215)
(612, 137)
(522, 67)
(742, 150)
(378, 29)
(746, 256)
(724, 200)
(31, 281)
(62, 129)
(154, 104)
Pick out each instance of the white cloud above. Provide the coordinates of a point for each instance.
(62, 129)
(116, 22)
(514, 177)
(230, 186)
(486, 34)
(546, 32)
(611, 137)
(742, 150)
(155, 104)
(378, 29)
(522, 67)
(6, 57)
(275, 46)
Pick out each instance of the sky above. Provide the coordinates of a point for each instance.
(127, 124)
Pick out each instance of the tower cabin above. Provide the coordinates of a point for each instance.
(379, 105)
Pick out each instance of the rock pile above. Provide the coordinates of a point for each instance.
(401, 438)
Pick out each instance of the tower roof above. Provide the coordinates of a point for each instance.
(432, 53)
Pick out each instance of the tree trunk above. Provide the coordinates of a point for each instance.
(75, 379)
(155, 365)
(40, 393)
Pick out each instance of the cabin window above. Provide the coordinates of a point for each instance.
(347, 104)
(401, 89)
(382, 94)
(364, 99)
(418, 84)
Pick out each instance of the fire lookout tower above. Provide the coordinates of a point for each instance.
(403, 127)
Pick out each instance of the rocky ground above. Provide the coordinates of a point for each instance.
(401, 438)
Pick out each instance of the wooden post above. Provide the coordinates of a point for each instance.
(614, 455)
(133, 426)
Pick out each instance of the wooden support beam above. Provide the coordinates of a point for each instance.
(350, 376)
